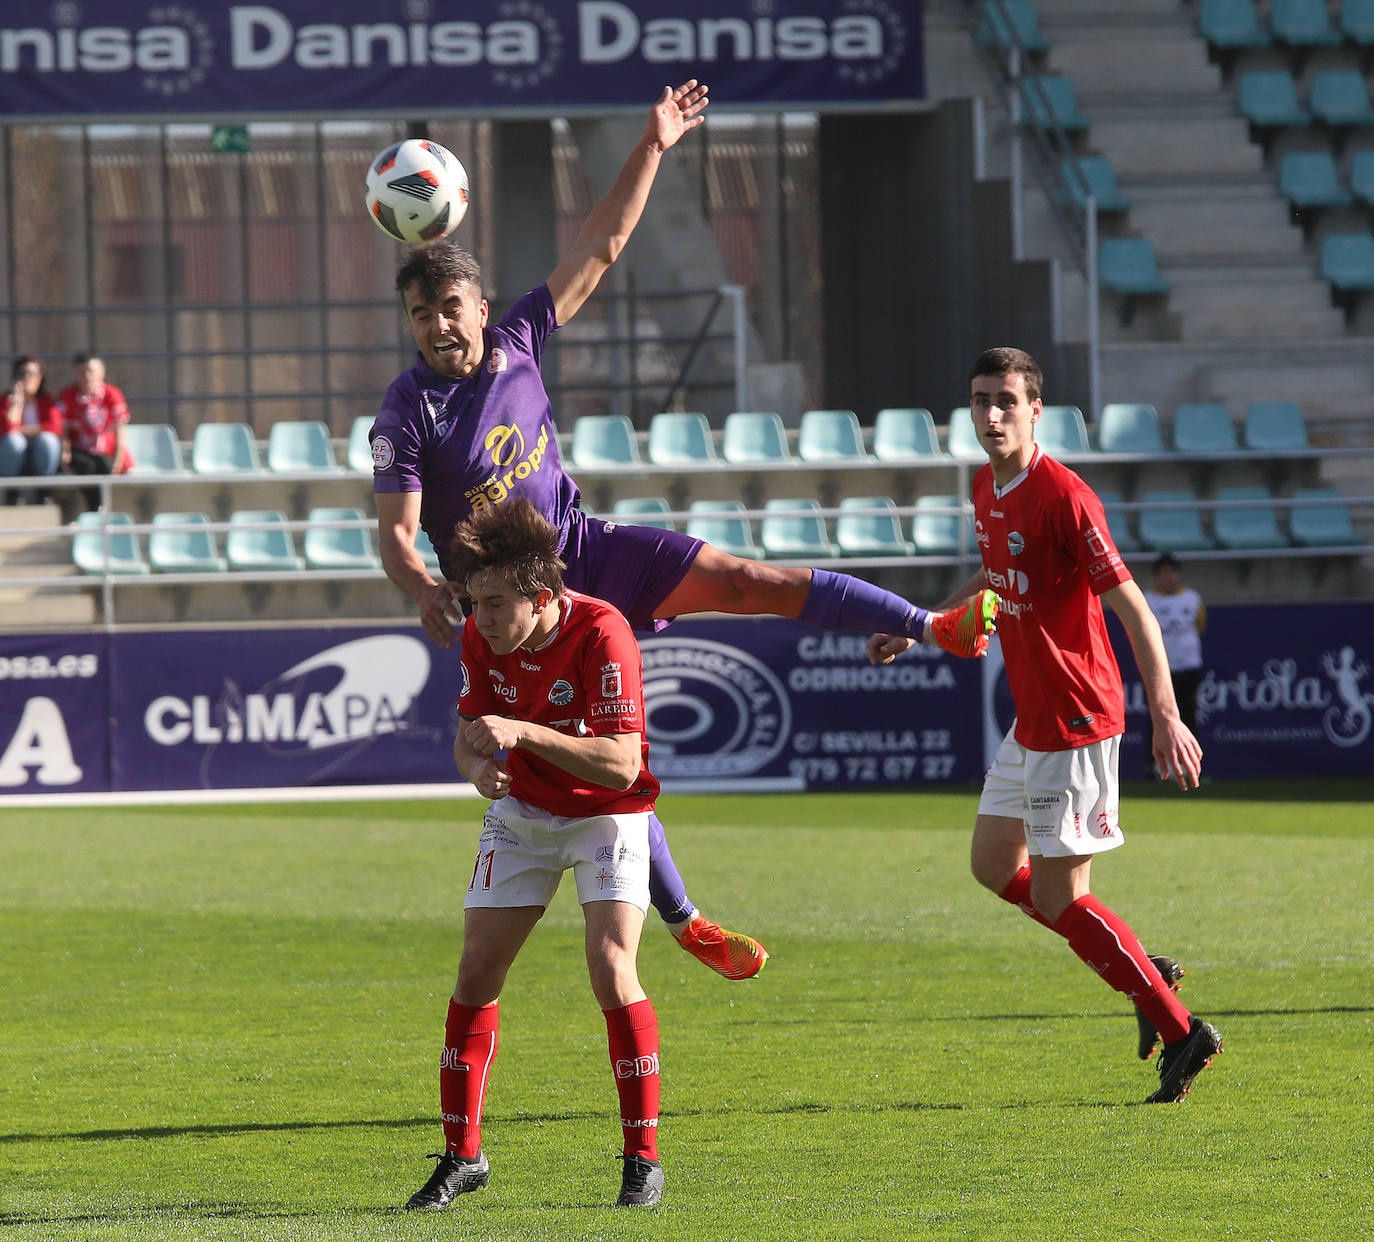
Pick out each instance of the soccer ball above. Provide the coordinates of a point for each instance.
(416, 191)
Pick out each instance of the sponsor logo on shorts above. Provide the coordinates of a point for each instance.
(610, 880)
(561, 693)
(637, 1067)
(383, 455)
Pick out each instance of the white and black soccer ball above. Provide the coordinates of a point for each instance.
(416, 191)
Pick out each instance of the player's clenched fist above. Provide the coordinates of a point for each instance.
(488, 734)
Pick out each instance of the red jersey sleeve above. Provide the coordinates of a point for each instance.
(1088, 540)
(613, 678)
(116, 405)
(475, 697)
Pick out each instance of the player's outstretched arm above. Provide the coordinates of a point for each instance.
(1177, 753)
(613, 219)
(398, 525)
(884, 648)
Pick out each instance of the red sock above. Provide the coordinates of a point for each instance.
(1111, 948)
(469, 1049)
(633, 1035)
(1018, 893)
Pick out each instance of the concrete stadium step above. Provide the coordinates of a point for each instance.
(1143, 145)
(1217, 225)
(35, 608)
(1078, 13)
(1144, 60)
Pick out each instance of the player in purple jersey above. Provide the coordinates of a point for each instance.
(470, 424)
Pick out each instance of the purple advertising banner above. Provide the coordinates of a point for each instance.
(110, 58)
(54, 714)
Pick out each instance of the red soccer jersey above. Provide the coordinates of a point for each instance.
(1048, 554)
(587, 679)
(92, 421)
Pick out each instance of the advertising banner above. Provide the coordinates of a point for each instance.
(54, 715)
(110, 58)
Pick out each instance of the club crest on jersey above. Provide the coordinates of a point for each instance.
(610, 681)
(497, 362)
(1016, 542)
(561, 693)
(382, 453)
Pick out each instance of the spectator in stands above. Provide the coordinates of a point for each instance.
(1182, 618)
(95, 414)
(562, 752)
(32, 433)
(1050, 800)
(470, 425)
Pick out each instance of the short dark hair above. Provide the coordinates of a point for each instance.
(1167, 560)
(1007, 361)
(80, 360)
(435, 265)
(513, 540)
(28, 360)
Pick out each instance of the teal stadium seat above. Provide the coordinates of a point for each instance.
(1172, 530)
(754, 438)
(259, 550)
(795, 536)
(1118, 522)
(681, 440)
(1061, 431)
(154, 448)
(92, 555)
(941, 534)
(870, 534)
(339, 548)
(1099, 174)
(224, 448)
(1231, 25)
(963, 436)
(601, 440)
(1204, 427)
(643, 511)
(359, 454)
(1275, 427)
(194, 551)
(1049, 100)
(1127, 427)
(1327, 525)
(905, 434)
(1362, 175)
(1268, 98)
(831, 436)
(1357, 22)
(1024, 25)
(1302, 24)
(719, 524)
(1127, 266)
(1340, 98)
(1308, 179)
(1348, 261)
(299, 447)
(1253, 525)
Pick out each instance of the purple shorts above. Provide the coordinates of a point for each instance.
(633, 567)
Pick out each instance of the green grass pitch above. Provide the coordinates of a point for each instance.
(224, 1022)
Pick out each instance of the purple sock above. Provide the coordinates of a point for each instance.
(839, 602)
(667, 892)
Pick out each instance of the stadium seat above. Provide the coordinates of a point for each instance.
(905, 434)
(154, 448)
(1129, 428)
(1268, 98)
(1049, 100)
(1308, 179)
(600, 440)
(299, 447)
(1231, 25)
(643, 511)
(1255, 525)
(870, 534)
(831, 436)
(359, 455)
(718, 523)
(1100, 175)
(1340, 98)
(753, 438)
(940, 534)
(224, 448)
(1205, 427)
(963, 436)
(184, 551)
(1118, 522)
(792, 535)
(1024, 25)
(1302, 24)
(89, 547)
(1362, 176)
(338, 548)
(1274, 427)
(1321, 526)
(1357, 22)
(1061, 431)
(680, 440)
(1348, 261)
(1126, 265)
(261, 549)
(1172, 530)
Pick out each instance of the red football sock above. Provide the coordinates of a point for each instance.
(633, 1035)
(470, 1037)
(1018, 893)
(1111, 948)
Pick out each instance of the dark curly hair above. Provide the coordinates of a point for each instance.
(435, 265)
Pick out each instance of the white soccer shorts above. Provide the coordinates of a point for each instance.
(1067, 800)
(524, 851)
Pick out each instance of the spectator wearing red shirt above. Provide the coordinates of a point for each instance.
(1050, 800)
(554, 732)
(95, 417)
(31, 437)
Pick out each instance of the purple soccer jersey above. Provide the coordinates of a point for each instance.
(466, 444)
